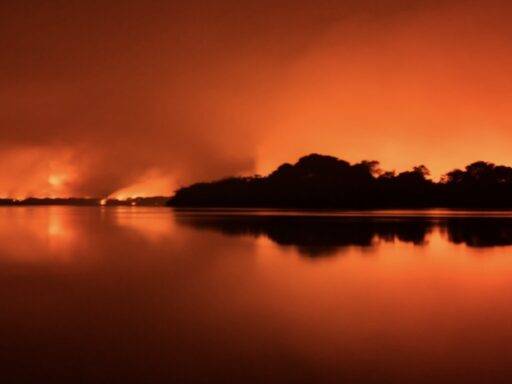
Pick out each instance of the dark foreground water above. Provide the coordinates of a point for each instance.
(148, 295)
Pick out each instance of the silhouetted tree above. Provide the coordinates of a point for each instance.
(318, 181)
(481, 184)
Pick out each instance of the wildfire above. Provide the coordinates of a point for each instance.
(56, 180)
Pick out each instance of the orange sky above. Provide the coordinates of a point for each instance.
(136, 99)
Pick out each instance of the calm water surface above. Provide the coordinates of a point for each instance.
(151, 295)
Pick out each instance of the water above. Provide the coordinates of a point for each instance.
(151, 295)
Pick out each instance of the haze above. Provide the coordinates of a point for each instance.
(139, 98)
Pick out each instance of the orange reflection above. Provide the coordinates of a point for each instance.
(382, 305)
(155, 224)
(38, 234)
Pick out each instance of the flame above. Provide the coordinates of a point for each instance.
(56, 180)
(152, 183)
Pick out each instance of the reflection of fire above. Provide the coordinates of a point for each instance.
(61, 233)
(153, 224)
(51, 231)
(55, 228)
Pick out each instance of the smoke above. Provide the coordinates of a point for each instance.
(101, 99)
(96, 99)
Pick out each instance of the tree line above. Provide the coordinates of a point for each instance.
(320, 181)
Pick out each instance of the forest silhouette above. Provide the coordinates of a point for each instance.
(320, 181)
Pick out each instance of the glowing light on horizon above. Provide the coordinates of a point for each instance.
(151, 184)
(56, 180)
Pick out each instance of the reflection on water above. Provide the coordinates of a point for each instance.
(135, 294)
(326, 235)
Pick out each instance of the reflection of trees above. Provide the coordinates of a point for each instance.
(313, 236)
(480, 233)
(324, 235)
